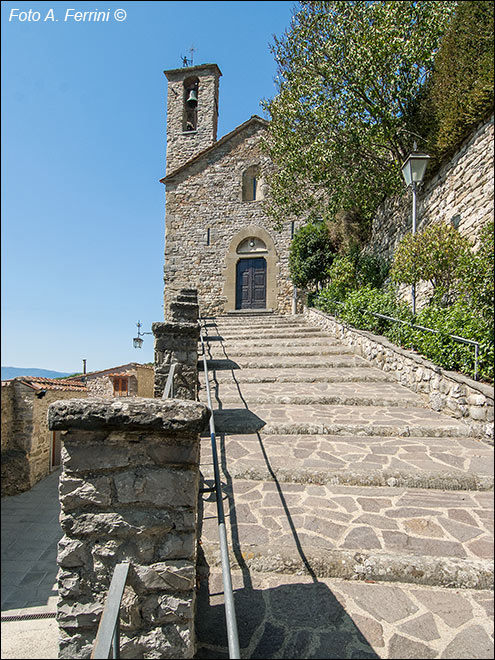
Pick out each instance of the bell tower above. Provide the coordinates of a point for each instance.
(192, 112)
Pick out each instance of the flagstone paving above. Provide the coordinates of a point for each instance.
(360, 522)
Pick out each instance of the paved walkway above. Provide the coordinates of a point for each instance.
(360, 522)
(30, 533)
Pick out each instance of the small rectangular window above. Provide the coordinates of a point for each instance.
(120, 386)
(208, 236)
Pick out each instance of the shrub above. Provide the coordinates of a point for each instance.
(457, 319)
(372, 270)
(476, 274)
(343, 277)
(433, 255)
(381, 301)
(310, 256)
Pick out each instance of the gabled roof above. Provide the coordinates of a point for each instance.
(263, 123)
(62, 384)
(110, 371)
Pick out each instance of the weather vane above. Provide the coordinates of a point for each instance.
(189, 61)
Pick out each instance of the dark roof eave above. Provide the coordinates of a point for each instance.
(225, 138)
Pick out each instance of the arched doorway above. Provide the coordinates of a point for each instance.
(255, 246)
(251, 284)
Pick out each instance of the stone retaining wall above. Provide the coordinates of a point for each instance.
(460, 193)
(446, 391)
(129, 492)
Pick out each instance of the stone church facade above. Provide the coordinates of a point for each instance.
(218, 239)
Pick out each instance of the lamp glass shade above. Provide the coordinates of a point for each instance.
(414, 168)
(137, 342)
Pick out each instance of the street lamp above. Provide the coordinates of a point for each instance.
(413, 172)
(137, 342)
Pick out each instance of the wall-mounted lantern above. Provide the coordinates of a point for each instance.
(137, 342)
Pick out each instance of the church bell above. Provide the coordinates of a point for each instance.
(192, 99)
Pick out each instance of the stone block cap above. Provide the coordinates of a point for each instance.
(135, 414)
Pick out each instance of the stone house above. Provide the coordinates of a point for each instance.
(30, 451)
(218, 238)
(130, 379)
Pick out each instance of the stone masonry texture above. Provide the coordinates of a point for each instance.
(447, 391)
(176, 342)
(129, 491)
(205, 212)
(460, 193)
(359, 520)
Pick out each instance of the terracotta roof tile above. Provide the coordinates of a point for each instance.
(129, 365)
(60, 384)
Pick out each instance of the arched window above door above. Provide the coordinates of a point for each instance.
(251, 245)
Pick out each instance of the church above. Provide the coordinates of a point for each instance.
(218, 238)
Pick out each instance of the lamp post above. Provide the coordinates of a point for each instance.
(137, 342)
(413, 172)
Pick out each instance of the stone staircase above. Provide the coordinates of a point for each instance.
(360, 522)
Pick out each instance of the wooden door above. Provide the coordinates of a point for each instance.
(251, 284)
(55, 458)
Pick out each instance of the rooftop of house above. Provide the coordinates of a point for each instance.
(112, 371)
(40, 383)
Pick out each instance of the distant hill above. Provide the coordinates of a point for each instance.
(12, 372)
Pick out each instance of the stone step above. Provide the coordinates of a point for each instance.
(280, 362)
(442, 463)
(252, 325)
(364, 373)
(253, 333)
(300, 616)
(338, 420)
(257, 319)
(429, 537)
(350, 394)
(221, 349)
(315, 340)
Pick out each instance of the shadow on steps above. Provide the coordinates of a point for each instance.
(297, 620)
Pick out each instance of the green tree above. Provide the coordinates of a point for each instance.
(433, 255)
(348, 73)
(311, 255)
(460, 91)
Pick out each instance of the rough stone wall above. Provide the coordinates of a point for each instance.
(129, 492)
(7, 415)
(460, 193)
(28, 441)
(41, 440)
(448, 391)
(16, 472)
(208, 195)
(103, 385)
(182, 145)
(176, 341)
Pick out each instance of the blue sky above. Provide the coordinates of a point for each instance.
(83, 149)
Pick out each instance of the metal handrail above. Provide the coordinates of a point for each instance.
(463, 340)
(108, 635)
(230, 618)
(168, 390)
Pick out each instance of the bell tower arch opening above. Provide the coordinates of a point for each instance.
(190, 104)
(192, 112)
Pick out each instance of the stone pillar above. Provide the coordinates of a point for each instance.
(129, 492)
(176, 340)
